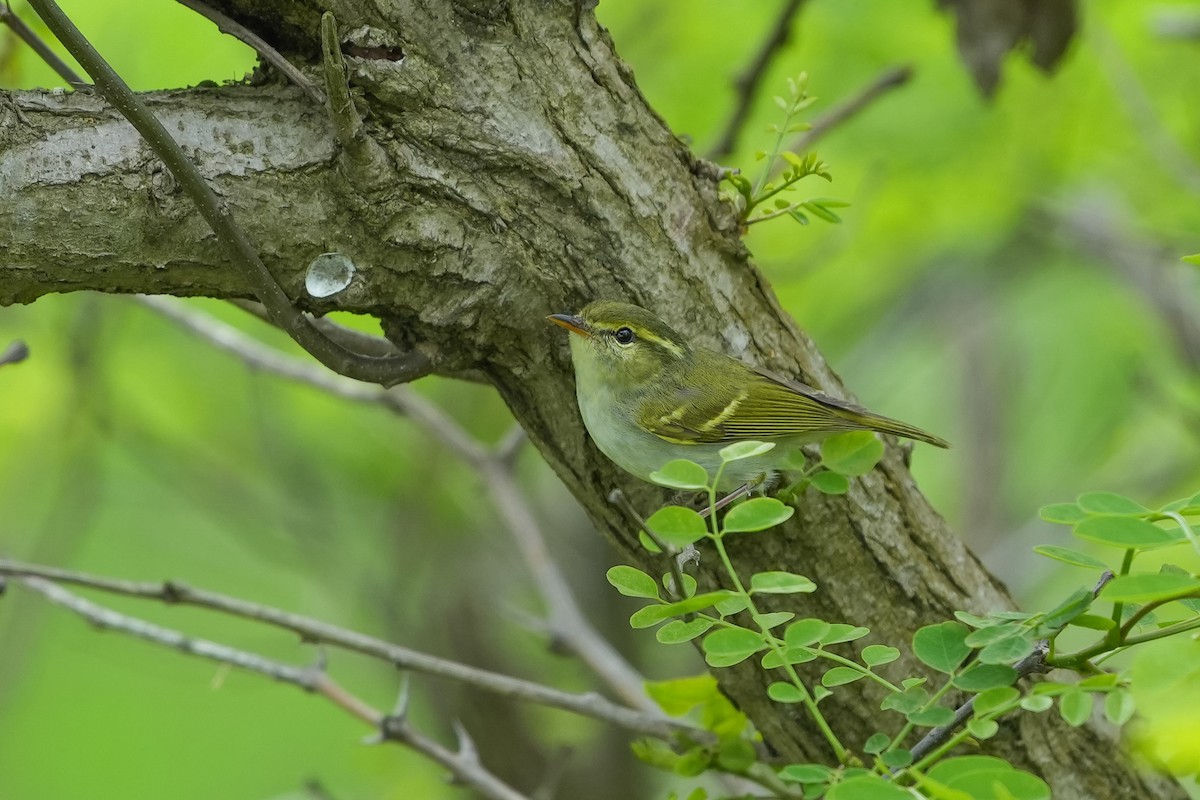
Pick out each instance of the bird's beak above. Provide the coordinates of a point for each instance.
(572, 323)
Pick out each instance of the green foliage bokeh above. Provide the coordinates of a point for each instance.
(953, 295)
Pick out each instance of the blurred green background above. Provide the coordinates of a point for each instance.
(1008, 276)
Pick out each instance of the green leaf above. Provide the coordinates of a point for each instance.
(728, 646)
(756, 514)
(678, 696)
(654, 614)
(1094, 622)
(983, 728)
(1078, 602)
(873, 655)
(782, 692)
(855, 453)
(689, 584)
(736, 755)
(992, 633)
(982, 677)
(677, 631)
(988, 778)
(694, 762)
(1062, 513)
(648, 543)
(739, 450)
(867, 787)
(780, 583)
(656, 753)
(876, 743)
(792, 655)
(1148, 587)
(1109, 503)
(906, 702)
(806, 773)
(805, 632)
(1191, 259)
(1075, 707)
(941, 646)
(681, 474)
(677, 526)
(841, 632)
(733, 604)
(839, 676)
(1008, 650)
(1118, 706)
(994, 698)
(1069, 556)
(1036, 703)
(771, 620)
(830, 482)
(933, 717)
(1125, 532)
(895, 759)
(632, 582)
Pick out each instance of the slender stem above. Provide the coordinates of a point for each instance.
(228, 25)
(807, 700)
(43, 50)
(748, 83)
(311, 630)
(387, 371)
(1114, 636)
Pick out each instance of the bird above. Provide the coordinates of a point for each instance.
(648, 397)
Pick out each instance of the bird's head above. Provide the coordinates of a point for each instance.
(623, 345)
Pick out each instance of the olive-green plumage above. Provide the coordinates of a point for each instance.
(648, 397)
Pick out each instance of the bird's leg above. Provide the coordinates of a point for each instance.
(740, 492)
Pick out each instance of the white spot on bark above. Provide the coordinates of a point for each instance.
(328, 273)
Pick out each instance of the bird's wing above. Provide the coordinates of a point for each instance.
(748, 404)
(741, 404)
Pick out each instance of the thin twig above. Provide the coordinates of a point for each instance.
(317, 632)
(232, 27)
(27, 35)
(1034, 662)
(387, 371)
(747, 84)
(568, 624)
(349, 338)
(464, 767)
(890, 79)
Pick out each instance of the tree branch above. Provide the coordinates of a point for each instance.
(748, 83)
(27, 35)
(889, 79)
(15, 353)
(568, 624)
(311, 679)
(228, 25)
(387, 371)
(317, 632)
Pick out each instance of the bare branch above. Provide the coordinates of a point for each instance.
(886, 81)
(464, 765)
(227, 25)
(314, 631)
(386, 371)
(27, 35)
(349, 338)
(568, 623)
(747, 84)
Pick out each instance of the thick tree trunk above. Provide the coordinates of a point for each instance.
(527, 175)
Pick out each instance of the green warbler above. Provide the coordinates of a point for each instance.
(648, 397)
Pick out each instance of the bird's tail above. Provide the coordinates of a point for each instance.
(874, 422)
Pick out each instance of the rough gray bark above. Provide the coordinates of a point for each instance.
(526, 175)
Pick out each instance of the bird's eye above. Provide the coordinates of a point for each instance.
(623, 336)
